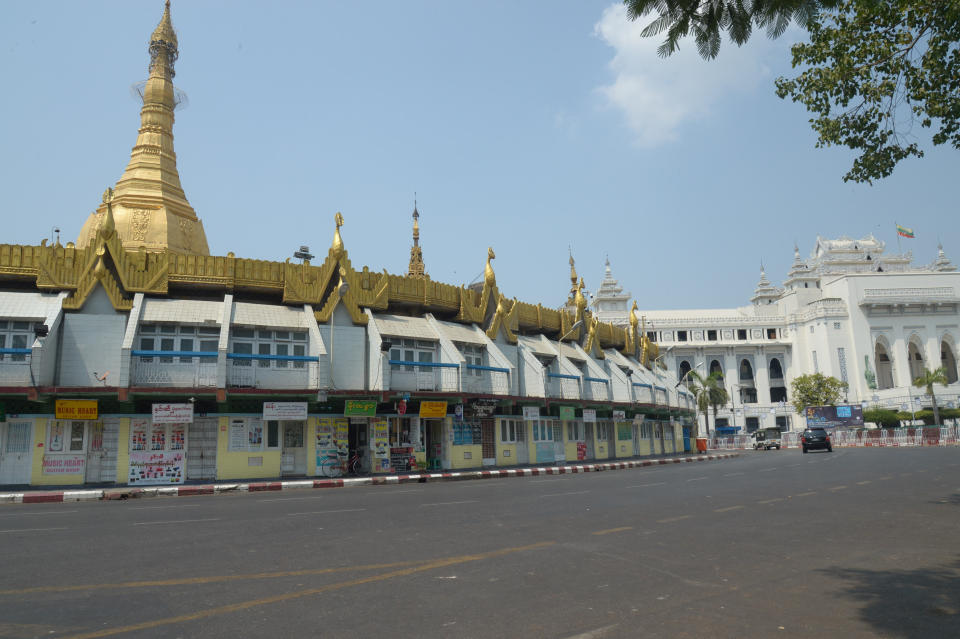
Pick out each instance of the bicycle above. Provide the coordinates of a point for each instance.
(355, 465)
(330, 465)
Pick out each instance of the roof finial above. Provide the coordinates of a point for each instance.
(416, 267)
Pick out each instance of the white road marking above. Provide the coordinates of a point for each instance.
(327, 512)
(657, 483)
(16, 530)
(164, 507)
(594, 634)
(732, 474)
(697, 479)
(451, 503)
(52, 512)
(578, 492)
(767, 470)
(728, 508)
(173, 521)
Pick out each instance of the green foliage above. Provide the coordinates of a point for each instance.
(706, 20)
(875, 69)
(871, 71)
(882, 417)
(708, 391)
(816, 390)
(926, 381)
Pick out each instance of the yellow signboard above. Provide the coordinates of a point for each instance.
(433, 409)
(76, 409)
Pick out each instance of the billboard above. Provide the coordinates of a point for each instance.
(842, 416)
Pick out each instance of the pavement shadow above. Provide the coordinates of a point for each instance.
(913, 604)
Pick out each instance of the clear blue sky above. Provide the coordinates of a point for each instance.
(528, 126)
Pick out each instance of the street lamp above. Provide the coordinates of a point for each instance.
(699, 365)
(660, 357)
(573, 329)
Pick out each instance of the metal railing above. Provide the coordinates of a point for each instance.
(271, 371)
(196, 370)
(487, 380)
(15, 366)
(424, 376)
(563, 386)
(596, 388)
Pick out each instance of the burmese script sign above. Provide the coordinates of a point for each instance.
(156, 468)
(284, 410)
(173, 413)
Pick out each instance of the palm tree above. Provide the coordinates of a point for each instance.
(708, 392)
(927, 380)
(718, 396)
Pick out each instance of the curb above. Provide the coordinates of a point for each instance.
(120, 494)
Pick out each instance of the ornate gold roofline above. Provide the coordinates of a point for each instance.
(123, 272)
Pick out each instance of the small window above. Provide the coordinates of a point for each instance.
(208, 330)
(168, 329)
(741, 333)
(712, 335)
(771, 333)
(652, 336)
(681, 336)
(239, 331)
(273, 434)
(262, 334)
(811, 329)
(300, 336)
(836, 325)
(76, 435)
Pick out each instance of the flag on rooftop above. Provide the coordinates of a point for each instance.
(903, 231)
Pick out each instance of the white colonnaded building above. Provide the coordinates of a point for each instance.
(872, 319)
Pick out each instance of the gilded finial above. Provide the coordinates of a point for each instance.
(489, 278)
(416, 267)
(108, 226)
(163, 43)
(337, 246)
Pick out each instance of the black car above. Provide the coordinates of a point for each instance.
(814, 438)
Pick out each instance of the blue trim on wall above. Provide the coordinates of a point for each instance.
(474, 367)
(174, 353)
(15, 351)
(639, 385)
(401, 362)
(596, 379)
(281, 358)
(562, 376)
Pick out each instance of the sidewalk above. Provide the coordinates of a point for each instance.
(68, 495)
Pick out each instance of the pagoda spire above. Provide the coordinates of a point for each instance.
(416, 267)
(149, 205)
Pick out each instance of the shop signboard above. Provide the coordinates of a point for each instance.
(531, 413)
(433, 409)
(64, 464)
(567, 413)
(381, 452)
(481, 407)
(842, 416)
(638, 419)
(581, 451)
(285, 410)
(619, 415)
(76, 409)
(173, 413)
(589, 415)
(360, 408)
(156, 467)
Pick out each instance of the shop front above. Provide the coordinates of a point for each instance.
(71, 446)
(16, 436)
(512, 444)
(289, 419)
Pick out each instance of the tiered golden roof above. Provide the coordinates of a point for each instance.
(150, 209)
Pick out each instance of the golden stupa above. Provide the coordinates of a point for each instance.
(150, 209)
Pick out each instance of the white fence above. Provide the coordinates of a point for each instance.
(884, 437)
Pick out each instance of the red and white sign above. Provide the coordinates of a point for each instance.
(64, 464)
(173, 413)
(589, 415)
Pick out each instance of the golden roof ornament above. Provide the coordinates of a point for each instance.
(416, 268)
(573, 276)
(108, 226)
(489, 278)
(337, 246)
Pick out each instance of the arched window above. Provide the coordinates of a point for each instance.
(715, 367)
(746, 371)
(884, 365)
(915, 355)
(776, 370)
(948, 360)
(684, 369)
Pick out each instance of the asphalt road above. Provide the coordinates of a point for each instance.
(854, 543)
